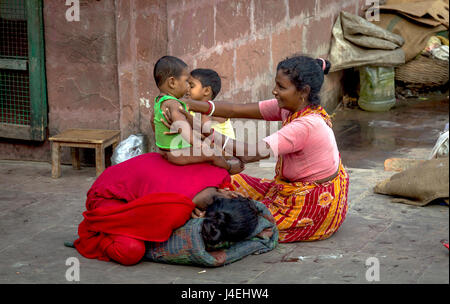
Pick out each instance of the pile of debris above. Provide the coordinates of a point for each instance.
(401, 41)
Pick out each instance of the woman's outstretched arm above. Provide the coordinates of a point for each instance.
(227, 110)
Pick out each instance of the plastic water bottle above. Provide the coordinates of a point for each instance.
(377, 92)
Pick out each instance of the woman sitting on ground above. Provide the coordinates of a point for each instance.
(308, 195)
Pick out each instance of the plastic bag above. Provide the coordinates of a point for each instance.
(128, 148)
(440, 149)
(440, 52)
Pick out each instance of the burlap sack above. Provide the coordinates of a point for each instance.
(420, 184)
(431, 12)
(416, 35)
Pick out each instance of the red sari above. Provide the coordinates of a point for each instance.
(142, 199)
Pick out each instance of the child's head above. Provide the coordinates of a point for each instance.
(171, 76)
(204, 84)
(229, 220)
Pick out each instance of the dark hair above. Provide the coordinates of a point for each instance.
(229, 220)
(208, 78)
(304, 70)
(167, 66)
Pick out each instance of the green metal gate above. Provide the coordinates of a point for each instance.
(23, 97)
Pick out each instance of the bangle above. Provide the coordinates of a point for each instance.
(210, 107)
(213, 107)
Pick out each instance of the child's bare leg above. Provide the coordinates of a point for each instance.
(185, 157)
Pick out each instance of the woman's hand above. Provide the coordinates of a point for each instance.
(168, 122)
(230, 194)
(197, 213)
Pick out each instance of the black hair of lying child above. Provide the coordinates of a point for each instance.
(229, 220)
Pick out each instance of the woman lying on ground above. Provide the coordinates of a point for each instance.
(145, 198)
(308, 195)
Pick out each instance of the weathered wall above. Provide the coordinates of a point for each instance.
(99, 70)
(243, 40)
(142, 40)
(81, 68)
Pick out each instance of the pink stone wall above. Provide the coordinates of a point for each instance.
(81, 68)
(99, 70)
(243, 40)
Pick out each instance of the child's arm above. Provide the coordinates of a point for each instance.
(176, 115)
(172, 108)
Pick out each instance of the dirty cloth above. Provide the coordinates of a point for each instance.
(358, 42)
(186, 245)
(419, 185)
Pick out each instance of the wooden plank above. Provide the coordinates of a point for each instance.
(85, 136)
(56, 160)
(36, 65)
(112, 141)
(75, 158)
(99, 159)
(15, 131)
(13, 64)
(76, 145)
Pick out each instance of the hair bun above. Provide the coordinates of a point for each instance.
(324, 64)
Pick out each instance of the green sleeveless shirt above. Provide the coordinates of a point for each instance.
(163, 141)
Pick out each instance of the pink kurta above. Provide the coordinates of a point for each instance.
(307, 144)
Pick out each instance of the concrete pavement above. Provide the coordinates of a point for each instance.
(38, 213)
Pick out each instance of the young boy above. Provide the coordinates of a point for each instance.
(171, 76)
(205, 84)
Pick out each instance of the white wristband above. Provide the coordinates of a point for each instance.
(213, 107)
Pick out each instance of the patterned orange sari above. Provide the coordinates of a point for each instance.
(304, 211)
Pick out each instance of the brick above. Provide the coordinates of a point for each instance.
(264, 91)
(352, 8)
(252, 59)
(244, 96)
(268, 12)
(223, 65)
(232, 20)
(298, 7)
(319, 34)
(148, 47)
(286, 44)
(190, 30)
